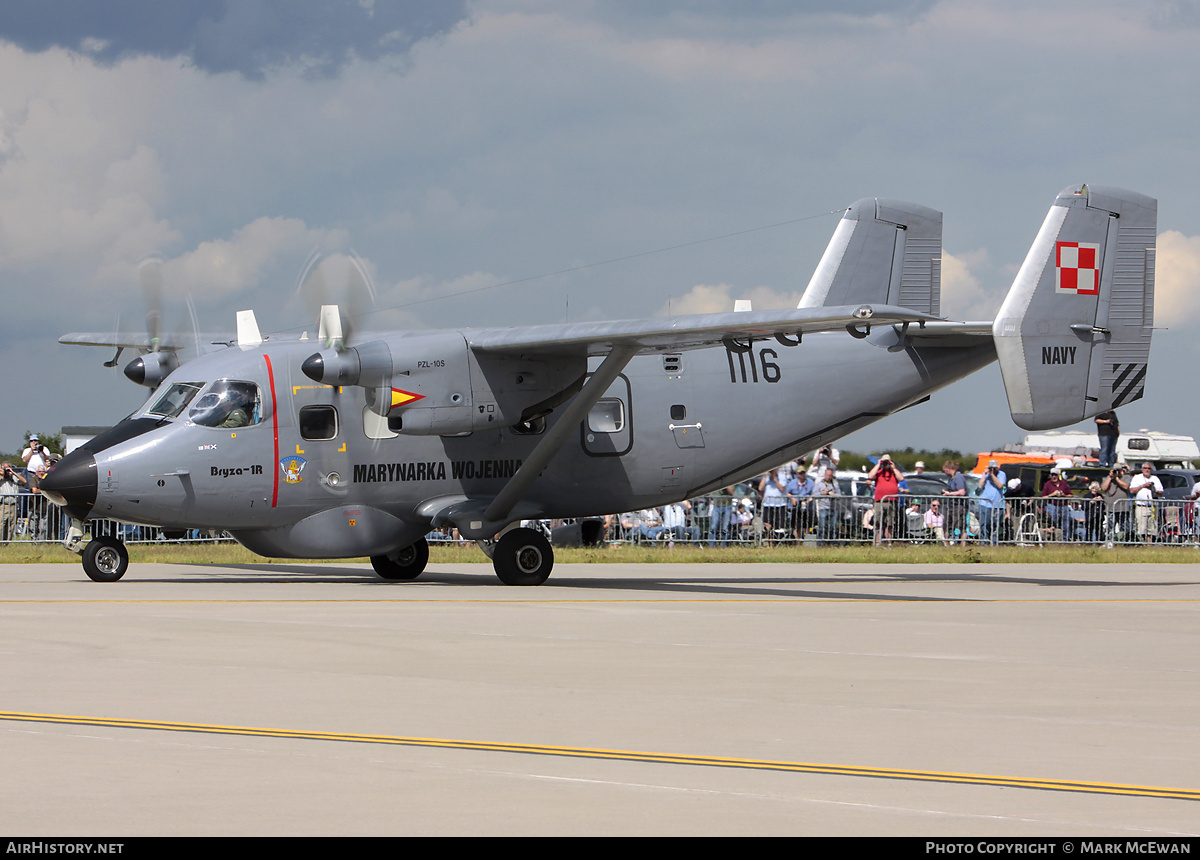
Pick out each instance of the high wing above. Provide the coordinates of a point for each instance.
(160, 353)
(689, 332)
(247, 335)
(119, 341)
(619, 342)
(158, 356)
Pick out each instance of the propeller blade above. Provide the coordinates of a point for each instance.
(330, 330)
(339, 281)
(151, 277)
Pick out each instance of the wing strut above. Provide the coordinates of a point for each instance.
(465, 514)
(541, 456)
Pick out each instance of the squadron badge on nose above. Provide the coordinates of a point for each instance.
(292, 467)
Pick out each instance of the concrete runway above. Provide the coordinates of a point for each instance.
(929, 700)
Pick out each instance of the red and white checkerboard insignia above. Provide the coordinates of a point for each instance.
(1077, 268)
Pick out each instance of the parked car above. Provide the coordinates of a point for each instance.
(1178, 483)
(1035, 475)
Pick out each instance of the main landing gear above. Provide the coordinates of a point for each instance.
(105, 559)
(407, 563)
(522, 557)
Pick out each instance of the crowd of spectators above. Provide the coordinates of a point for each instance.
(23, 509)
(789, 504)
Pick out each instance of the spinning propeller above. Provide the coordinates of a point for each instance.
(334, 283)
(161, 355)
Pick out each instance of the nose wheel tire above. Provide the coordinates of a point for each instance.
(408, 563)
(105, 559)
(523, 557)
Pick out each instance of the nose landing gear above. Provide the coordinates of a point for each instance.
(105, 559)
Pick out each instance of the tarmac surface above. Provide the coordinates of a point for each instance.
(840, 699)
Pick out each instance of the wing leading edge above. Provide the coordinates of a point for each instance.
(688, 332)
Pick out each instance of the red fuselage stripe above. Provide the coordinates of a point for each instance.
(275, 431)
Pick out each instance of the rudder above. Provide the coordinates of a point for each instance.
(1073, 334)
(882, 252)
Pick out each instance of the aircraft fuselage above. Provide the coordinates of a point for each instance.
(320, 475)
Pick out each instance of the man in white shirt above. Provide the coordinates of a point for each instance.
(35, 455)
(11, 481)
(1145, 488)
(675, 522)
(1195, 499)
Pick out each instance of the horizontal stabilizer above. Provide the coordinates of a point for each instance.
(883, 252)
(1073, 334)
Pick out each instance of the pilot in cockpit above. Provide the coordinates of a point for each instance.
(228, 404)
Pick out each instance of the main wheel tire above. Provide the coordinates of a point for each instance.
(408, 563)
(523, 557)
(105, 559)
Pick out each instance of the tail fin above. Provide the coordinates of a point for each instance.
(883, 252)
(1073, 334)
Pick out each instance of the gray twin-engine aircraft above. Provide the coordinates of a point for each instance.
(362, 447)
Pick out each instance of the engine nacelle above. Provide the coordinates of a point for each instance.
(369, 365)
(152, 368)
(435, 385)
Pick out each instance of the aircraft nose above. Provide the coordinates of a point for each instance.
(72, 482)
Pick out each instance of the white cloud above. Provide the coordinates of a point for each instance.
(78, 187)
(719, 298)
(222, 267)
(963, 296)
(1177, 279)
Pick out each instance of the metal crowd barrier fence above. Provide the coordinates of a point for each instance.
(30, 517)
(829, 520)
(836, 520)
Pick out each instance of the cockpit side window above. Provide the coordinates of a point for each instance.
(172, 402)
(228, 403)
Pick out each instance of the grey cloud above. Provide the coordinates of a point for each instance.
(756, 10)
(1174, 14)
(767, 8)
(246, 36)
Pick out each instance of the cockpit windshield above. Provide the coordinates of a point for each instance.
(228, 403)
(174, 400)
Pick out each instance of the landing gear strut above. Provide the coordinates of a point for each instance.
(405, 564)
(522, 557)
(105, 559)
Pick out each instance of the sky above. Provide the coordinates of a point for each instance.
(504, 162)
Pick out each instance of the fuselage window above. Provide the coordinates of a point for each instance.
(318, 422)
(607, 416)
(228, 403)
(174, 400)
